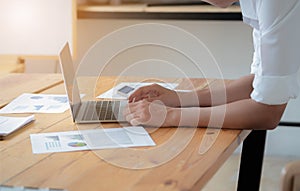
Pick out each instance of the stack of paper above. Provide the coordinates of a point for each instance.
(11, 124)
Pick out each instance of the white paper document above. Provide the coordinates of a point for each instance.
(37, 103)
(90, 139)
(113, 93)
(11, 124)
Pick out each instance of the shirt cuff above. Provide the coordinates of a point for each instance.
(275, 90)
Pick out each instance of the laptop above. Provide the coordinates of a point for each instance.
(86, 111)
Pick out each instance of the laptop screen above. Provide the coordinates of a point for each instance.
(70, 81)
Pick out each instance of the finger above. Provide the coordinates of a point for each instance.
(151, 99)
(142, 93)
(153, 93)
(135, 96)
(129, 117)
(155, 98)
(130, 108)
(126, 111)
(133, 120)
(136, 122)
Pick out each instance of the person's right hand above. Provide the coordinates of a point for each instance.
(156, 92)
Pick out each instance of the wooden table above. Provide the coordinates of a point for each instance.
(174, 164)
(143, 11)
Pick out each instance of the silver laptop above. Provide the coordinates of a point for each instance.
(86, 111)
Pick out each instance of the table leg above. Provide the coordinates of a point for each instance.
(252, 161)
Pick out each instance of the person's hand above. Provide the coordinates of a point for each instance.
(155, 92)
(149, 113)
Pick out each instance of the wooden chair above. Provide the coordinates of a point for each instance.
(11, 64)
(290, 177)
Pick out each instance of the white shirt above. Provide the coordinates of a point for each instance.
(276, 38)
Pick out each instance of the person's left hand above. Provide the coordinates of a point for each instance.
(153, 113)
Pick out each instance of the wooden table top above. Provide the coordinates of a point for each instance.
(143, 11)
(158, 9)
(175, 163)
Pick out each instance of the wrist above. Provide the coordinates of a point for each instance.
(172, 99)
(173, 117)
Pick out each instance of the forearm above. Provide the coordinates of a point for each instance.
(219, 93)
(242, 114)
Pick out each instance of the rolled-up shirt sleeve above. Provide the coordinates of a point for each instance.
(276, 59)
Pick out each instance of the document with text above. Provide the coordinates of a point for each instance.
(134, 136)
(37, 103)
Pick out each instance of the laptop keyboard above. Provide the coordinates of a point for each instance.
(102, 110)
(107, 110)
